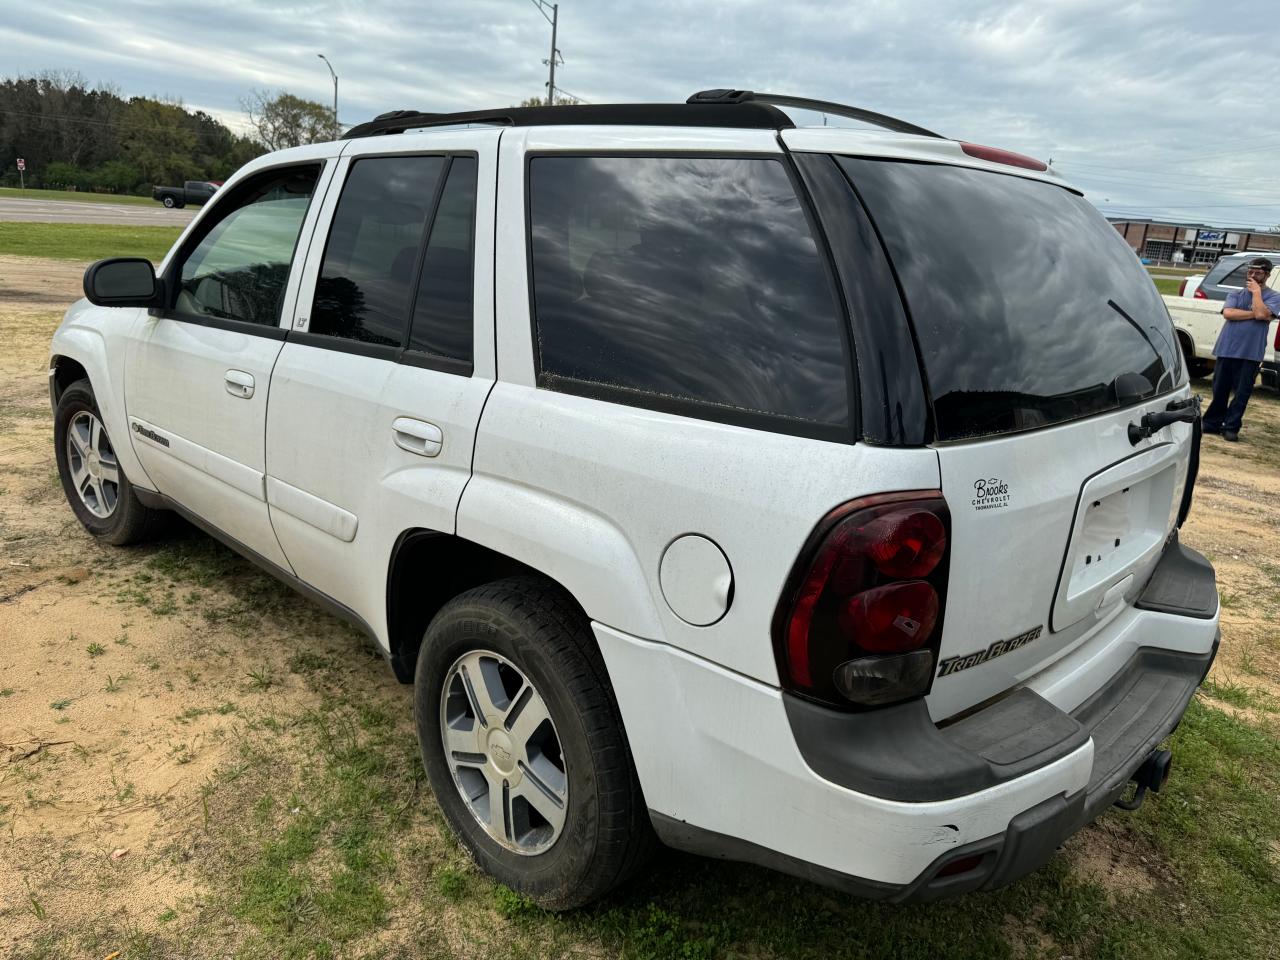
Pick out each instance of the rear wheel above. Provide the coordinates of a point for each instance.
(100, 494)
(524, 747)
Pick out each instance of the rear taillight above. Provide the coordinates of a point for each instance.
(861, 620)
(1182, 287)
(1199, 295)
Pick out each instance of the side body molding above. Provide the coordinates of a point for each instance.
(313, 510)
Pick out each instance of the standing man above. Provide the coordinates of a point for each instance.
(1240, 349)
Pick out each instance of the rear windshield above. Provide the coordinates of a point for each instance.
(1028, 307)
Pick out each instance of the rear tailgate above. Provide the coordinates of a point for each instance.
(1041, 339)
(1052, 534)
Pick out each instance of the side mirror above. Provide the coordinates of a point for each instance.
(122, 282)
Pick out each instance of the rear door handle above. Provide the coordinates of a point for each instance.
(239, 384)
(417, 436)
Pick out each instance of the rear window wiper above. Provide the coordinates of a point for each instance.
(1168, 371)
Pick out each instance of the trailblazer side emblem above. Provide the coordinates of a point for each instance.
(998, 649)
(990, 494)
(150, 434)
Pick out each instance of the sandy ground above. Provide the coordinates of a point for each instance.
(117, 696)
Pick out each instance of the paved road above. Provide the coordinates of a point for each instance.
(71, 211)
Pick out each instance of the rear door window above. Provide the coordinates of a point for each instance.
(366, 280)
(443, 325)
(1028, 307)
(689, 284)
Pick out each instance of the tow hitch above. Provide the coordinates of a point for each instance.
(1152, 775)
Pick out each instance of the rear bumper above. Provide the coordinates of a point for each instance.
(728, 772)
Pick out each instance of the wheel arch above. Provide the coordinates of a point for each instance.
(427, 569)
(1187, 342)
(81, 351)
(63, 372)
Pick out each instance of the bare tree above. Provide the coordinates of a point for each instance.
(282, 120)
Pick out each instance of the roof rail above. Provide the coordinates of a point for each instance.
(761, 116)
(820, 106)
(710, 108)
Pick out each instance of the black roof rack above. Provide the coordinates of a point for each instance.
(710, 108)
(819, 106)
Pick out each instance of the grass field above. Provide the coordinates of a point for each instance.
(1168, 287)
(83, 197)
(86, 241)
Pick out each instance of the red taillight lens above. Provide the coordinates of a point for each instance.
(895, 618)
(867, 591)
(905, 544)
(996, 155)
(1199, 295)
(1182, 288)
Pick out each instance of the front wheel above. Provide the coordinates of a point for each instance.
(169, 202)
(100, 494)
(524, 747)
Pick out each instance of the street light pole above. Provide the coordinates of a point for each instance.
(336, 130)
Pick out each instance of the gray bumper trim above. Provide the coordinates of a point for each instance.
(1127, 719)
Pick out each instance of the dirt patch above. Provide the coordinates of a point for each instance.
(1115, 859)
(122, 689)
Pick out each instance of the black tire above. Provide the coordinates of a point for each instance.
(169, 201)
(130, 521)
(607, 835)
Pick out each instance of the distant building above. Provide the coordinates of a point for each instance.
(1167, 241)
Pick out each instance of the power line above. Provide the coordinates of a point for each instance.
(1157, 172)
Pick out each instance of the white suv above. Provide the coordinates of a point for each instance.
(801, 496)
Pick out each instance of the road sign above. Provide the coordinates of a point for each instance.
(22, 164)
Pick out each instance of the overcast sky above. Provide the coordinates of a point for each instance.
(1162, 109)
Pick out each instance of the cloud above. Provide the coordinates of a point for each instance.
(1153, 107)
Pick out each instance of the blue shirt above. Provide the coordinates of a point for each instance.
(1246, 339)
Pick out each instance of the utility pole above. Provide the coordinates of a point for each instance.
(554, 20)
(336, 129)
(551, 79)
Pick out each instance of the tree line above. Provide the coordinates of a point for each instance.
(81, 137)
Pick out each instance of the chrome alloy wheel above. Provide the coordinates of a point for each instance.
(503, 752)
(94, 471)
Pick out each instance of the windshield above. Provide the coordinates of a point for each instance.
(1028, 307)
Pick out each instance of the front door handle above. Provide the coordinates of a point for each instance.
(417, 436)
(239, 384)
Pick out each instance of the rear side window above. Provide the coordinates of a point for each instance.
(691, 284)
(1237, 277)
(1028, 307)
(366, 278)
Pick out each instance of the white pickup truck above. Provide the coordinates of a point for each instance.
(1198, 322)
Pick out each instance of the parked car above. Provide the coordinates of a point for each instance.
(702, 496)
(1189, 286)
(1198, 321)
(194, 192)
(1224, 277)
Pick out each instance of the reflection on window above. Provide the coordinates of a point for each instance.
(688, 278)
(442, 315)
(363, 292)
(1009, 282)
(239, 270)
